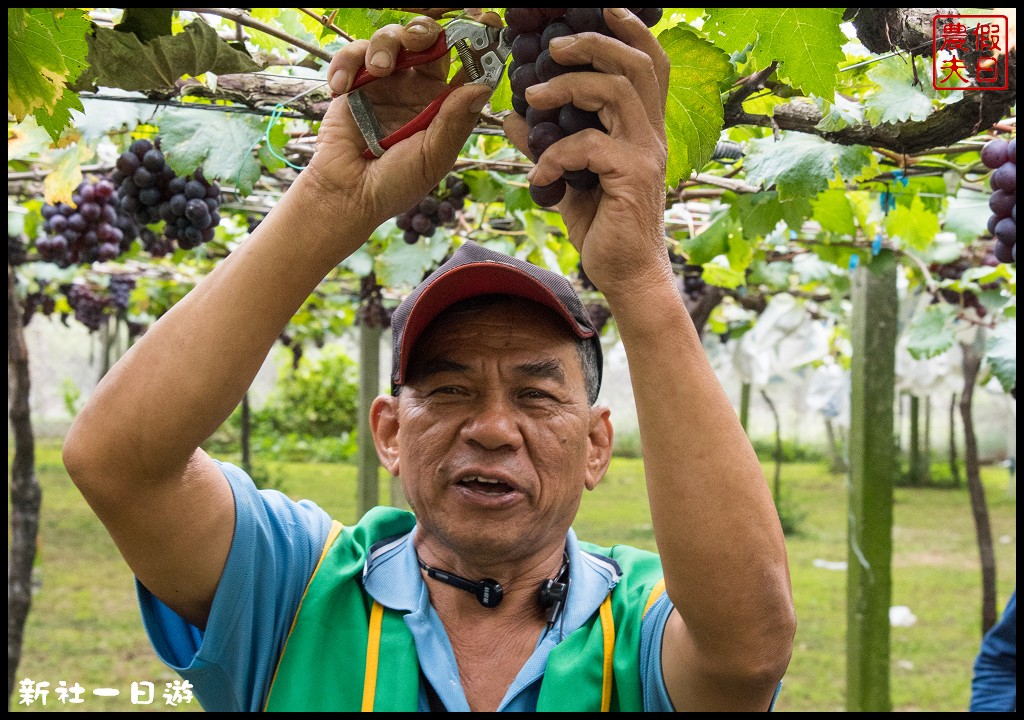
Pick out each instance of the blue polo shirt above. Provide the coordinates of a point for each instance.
(275, 548)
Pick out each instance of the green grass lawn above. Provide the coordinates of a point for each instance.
(84, 625)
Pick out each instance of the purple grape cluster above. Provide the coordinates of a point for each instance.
(88, 229)
(530, 30)
(89, 304)
(1000, 156)
(121, 287)
(40, 300)
(372, 312)
(437, 209)
(150, 191)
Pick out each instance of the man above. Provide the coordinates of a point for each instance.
(485, 600)
(994, 675)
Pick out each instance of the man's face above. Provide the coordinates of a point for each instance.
(494, 438)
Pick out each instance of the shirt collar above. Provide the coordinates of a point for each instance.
(391, 576)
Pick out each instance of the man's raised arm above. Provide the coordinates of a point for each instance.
(729, 640)
(133, 451)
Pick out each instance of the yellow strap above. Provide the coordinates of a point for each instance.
(336, 528)
(659, 588)
(372, 656)
(608, 627)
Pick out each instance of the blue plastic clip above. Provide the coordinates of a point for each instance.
(887, 201)
(854, 261)
(876, 244)
(900, 177)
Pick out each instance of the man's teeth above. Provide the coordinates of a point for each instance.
(489, 481)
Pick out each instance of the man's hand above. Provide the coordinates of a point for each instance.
(617, 226)
(384, 187)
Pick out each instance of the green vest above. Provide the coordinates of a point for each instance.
(345, 652)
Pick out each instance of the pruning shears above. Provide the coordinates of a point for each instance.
(482, 50)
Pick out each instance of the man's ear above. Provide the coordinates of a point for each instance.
(384, 426)
(600, 454)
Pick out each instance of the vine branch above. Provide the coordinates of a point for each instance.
(243, 18)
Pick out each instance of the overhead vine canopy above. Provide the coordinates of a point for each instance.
(792, 131)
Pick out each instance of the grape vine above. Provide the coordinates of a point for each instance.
(531, 30)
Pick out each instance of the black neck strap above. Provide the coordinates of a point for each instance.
(489, 593)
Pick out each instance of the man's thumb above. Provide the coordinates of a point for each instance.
(457, 117)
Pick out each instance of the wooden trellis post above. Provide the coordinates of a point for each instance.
(873, 468)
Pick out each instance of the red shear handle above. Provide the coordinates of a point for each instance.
(407, 59)
(420, 122)
(404, 61)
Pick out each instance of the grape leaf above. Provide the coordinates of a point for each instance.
(402, 264)
(67, 172)
(712, 241)
(929, 190)
(501, 98)
(484, 187)
(361, 23)
(720, 274)
(35, 69)
(839, 255)
(361, 261)
(119, 59)
(761, 212)
(694, 115)
(58, 118)
(965, 216)
(146, 23)
(915, 226)
(518, 198)
(272, 153)
(46, 52)
(801, 165)
(833, 211)
(841, 113)
(896, 99)
(291, 21)
(741, 252)
(807, 42)
(220, 142)
(931, 332)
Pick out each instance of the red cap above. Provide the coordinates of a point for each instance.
(472, 271)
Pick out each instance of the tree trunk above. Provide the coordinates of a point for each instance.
(837, 464)
(926, 441)
(972, 354)
(246, 435)
(873, 468)
(745, 407)
(914, 469)
(777, 484)
(26, 496)
(954, 461)
(368, 493)
(108, 338)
